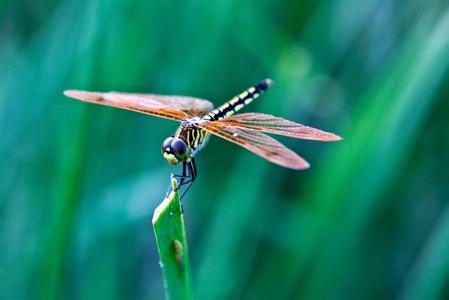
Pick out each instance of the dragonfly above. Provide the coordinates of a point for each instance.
(198, 120)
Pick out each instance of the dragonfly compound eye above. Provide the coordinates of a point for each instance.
(166, 144)
(179, 148)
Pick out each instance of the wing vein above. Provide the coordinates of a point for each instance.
(258, 143)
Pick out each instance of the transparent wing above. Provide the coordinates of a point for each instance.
(164, 106)
(276, 125)
(257, 142)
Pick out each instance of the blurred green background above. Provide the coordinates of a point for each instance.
(79, 182)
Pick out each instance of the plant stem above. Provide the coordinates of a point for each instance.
(168, 225)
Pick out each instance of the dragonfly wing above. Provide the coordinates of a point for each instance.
(257, 142)
(164, 106)
(276, 125)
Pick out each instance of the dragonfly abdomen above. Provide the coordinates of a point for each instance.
(238, 102)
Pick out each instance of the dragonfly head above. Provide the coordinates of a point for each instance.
(174, 150)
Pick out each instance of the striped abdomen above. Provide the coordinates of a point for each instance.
(238, 102)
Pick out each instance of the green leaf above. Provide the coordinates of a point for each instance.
(168, 224)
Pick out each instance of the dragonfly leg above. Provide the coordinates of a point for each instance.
(182, 178)
(187, 177)
(184, 172)
(191, 166)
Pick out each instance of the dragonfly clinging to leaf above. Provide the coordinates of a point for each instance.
(199, 119)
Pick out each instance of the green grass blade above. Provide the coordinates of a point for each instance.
(168, 224)
(430, 275)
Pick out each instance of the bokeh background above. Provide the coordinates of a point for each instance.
(79, 182)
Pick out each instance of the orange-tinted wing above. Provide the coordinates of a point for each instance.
(276, 125)
(164, 106)
(257, 142)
